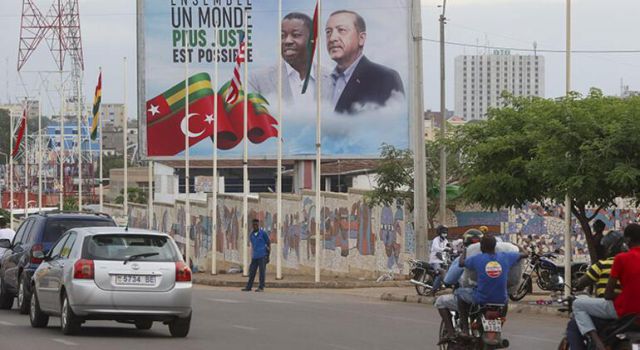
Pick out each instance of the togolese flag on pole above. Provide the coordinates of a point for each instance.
(97, 100)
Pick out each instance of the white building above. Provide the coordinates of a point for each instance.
(481, 79)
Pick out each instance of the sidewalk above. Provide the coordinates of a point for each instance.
(294, 281)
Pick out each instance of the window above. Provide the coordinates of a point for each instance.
(66, 249)
(55, 228)
(19, 238)
(55, 251)
(119, 247)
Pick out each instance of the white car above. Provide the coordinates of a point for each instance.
(109, 273)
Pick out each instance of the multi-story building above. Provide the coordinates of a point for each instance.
(112, 113)
(480, 81)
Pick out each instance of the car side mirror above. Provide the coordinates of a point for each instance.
(5, 243)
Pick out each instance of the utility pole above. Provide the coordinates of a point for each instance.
(419, 160)
(443, 123)
(567, 202)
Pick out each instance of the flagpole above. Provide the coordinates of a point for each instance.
(11, 145)
(214, 214)
(245, 157)
(26, 160)
(101, 188)
(318, 145)
(280, 218)
(62, 157)
(40, 152)
(150, 196)
(79, 120)
(125, 131)
(187, 184)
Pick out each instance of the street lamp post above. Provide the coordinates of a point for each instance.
(443, 122)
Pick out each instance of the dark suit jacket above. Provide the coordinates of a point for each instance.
(370, 83)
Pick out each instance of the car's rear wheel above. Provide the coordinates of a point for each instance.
(23, 295)
(179, 328)
(144, 324)
(6, 300)
(36, 316)
(69, 322)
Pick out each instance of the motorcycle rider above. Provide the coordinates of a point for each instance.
(598, 275)
(626, 271)
(492, 270)
(449, 302)
(438, 245)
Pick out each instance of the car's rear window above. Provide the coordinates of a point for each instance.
(56, 227)
(123, 246)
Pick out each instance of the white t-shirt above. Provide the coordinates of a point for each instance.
(437, 246)
(6, 233)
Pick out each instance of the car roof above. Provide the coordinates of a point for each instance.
(90, 231)
(83, 216)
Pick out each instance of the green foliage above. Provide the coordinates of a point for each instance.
(135, 195)
(537, 149)
(70, 203)
(5, 130)
(395, 177)
(111, 162)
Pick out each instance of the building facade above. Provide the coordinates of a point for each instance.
(480, 81)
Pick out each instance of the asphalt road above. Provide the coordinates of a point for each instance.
(228, 319)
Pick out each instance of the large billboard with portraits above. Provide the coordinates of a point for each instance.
(363, 74)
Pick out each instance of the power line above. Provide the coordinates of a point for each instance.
(452, 43)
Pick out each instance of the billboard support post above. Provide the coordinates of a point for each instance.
(419, 156)
(280, 218)
(245, 154)
(318, 145)
(214, 213)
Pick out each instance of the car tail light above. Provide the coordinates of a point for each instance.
(36, 248)
(183, 272)
(83, 269)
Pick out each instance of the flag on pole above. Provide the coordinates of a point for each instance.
(311, 49)
(97, 99)
(20, 132)
(236, 82)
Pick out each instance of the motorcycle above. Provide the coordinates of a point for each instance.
(621, 334)
(550, 276)
(423, 274)
(485, 325)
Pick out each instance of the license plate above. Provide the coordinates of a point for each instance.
(492, 325)
(135, 280)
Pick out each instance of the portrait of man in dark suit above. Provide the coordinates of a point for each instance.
(357, 81)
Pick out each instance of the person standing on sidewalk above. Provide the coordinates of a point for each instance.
(260, 251)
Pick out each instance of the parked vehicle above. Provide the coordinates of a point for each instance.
(36, 234)
(485, 323)
(622, 334)
(423, 274)
(549, 275)
(105, 273)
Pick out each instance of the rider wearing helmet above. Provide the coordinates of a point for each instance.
(484, 229)
(438, 245)
(449, 302)
(597, 275)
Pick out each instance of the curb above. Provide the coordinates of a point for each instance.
(513, 307)
(299, 285)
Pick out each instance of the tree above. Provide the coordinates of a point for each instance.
(5, 130)
(111, 162)
(537, 149)
(135, 195)
(395, 178)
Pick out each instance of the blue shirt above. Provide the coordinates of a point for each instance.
(493, 272)
(259, 243)
(454, 274)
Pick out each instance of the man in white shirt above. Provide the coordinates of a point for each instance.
(438, 245)
(295, 32)
(5, 233)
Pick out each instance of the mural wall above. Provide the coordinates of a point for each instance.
(355, 238)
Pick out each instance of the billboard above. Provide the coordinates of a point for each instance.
(363, 76)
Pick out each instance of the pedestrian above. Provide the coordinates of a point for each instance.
(261, 249)
(5, 233)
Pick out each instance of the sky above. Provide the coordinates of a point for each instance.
(108, 30)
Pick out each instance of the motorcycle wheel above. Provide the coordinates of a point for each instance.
(442, 334)
(564, 344)
(525, 287)
(426, 278)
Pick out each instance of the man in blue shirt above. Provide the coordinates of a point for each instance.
(492, 270)
(261, 248)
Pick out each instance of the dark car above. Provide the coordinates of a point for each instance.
(37, 233)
